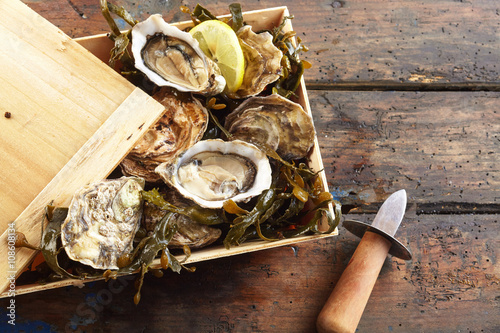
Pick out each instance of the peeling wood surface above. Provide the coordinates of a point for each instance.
(439, 142)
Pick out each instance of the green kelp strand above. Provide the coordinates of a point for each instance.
(137, 296)
(202, 14)
(232, 207)
(122, 13)
(293, 68)
(298, 190)
(122, 40)
(276, 31)
(238, 229)
(337, 210)
(275, 206)
(312, 225)
(237, 16)
(21, 241)
(163, 233)
(293, 209)
(173, 263)
(261, 236)
(215, 120)
(48, 245)
(202, 215)
(107, 15)
(303, 171)
(128, 258)
(119, 50)
(196, 213)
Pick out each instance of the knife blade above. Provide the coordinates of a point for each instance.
(344, 308)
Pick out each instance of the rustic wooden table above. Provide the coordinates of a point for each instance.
(405, 94)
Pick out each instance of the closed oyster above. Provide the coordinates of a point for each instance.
(262, 62)
(183, 124)
(102, 221)
(213, 171)
(189, 232)
(274, 121)
(171, 57)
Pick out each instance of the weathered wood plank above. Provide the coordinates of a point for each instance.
(446, 147)
(441, 147)
(453, 279)
(374, 43)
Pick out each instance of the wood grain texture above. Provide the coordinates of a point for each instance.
(441, 146)
(451, 285)
(375, 44)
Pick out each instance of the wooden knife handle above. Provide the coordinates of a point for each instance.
(346, 304)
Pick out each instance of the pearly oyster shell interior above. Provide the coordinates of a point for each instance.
(213, 171)
(274, 121)
(171, 57)
(102, 220)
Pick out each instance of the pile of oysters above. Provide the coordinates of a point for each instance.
(179, 156)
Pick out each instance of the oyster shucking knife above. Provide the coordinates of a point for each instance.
(346, 304)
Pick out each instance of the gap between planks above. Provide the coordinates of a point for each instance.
(403, 86)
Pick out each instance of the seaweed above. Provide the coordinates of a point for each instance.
(292, 67)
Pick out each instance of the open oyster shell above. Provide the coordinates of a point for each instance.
(102, 221)
(274, 121)
(213, 171)
(262, 62)
(171, 57)
(183, 124)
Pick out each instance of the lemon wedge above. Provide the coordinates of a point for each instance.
(220, 43)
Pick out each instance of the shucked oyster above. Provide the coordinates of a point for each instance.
(183, 124)
(275, 121)
(262, 62)
(213, 171)
(171, 57)
(102, 221)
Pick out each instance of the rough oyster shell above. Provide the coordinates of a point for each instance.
(171, 57)
(262, 62)
(275, 121)
(213, 171)
(182, 125)
(190, 233)
(102, 221)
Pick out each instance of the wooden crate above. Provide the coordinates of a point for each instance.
(100, 45)
(66, 120)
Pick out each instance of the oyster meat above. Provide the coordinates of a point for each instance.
(171, 57)
(183, 124)
(102, 221)
(262, 62)
(213, 171)
(274, 121)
